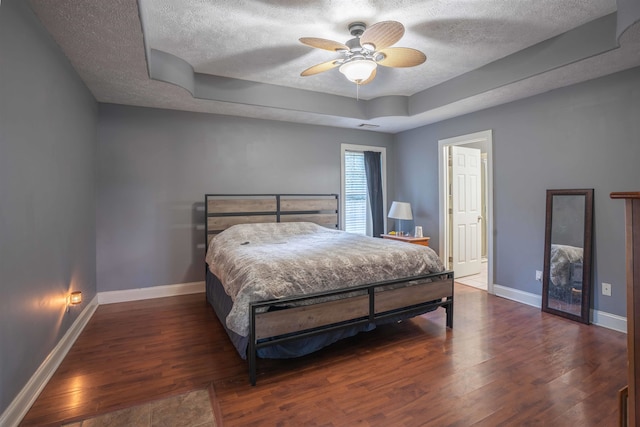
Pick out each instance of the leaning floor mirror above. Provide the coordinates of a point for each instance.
(566, 280)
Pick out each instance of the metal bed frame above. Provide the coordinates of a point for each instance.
(374, 303)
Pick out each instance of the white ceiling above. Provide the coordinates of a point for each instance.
(474, 50)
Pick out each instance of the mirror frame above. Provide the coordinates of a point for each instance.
(586, 257)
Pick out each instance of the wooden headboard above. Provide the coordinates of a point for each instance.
(224, 210)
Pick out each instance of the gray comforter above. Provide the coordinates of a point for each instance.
(258, 262)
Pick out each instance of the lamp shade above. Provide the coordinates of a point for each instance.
(400, 210)
(358, 70)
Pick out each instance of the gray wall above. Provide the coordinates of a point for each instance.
(154, 167)
(47, 197)
(583, 136)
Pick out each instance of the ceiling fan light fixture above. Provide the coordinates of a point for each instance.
(361, 55)
(369, 46)
(358, 70)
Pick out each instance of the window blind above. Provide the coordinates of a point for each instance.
(355, 193)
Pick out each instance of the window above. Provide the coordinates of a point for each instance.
(356, 204)
(355, 211)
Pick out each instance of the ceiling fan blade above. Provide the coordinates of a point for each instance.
(383, 34)
(370, 79)
(323, 44)
(319, 68)
(401, 57)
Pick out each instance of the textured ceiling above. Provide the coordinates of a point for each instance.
(258, 40)
(110, 42)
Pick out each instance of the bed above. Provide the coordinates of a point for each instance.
(285, 282)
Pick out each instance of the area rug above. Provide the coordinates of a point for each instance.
(192, 409)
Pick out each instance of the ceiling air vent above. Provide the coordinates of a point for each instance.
(368, 126)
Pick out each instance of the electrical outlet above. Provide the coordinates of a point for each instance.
(606, 289)
(539, 275)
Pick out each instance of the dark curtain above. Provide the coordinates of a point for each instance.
(372, 167)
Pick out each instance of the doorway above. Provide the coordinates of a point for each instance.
(478, 212)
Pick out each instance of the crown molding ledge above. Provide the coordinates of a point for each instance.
(628, 14)
(588, 40)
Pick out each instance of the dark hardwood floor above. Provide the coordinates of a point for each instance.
(504, 363)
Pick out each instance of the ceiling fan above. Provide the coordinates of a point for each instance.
(362, 54)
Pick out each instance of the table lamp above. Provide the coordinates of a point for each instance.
(400, 211)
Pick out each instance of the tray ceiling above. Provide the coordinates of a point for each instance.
(243, 58)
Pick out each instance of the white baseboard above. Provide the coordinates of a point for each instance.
(18, 408)
(111, 297)
(23, 401)
(609, 321)
(599, 318)
(517, 295)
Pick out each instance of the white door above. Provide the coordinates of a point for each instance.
(466, 210)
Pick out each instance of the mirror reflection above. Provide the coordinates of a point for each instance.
(567, 263)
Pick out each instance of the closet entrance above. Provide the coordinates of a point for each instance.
(466, 208)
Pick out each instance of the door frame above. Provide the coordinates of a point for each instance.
(443, 185)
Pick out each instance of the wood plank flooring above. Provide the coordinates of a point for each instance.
(504, 363)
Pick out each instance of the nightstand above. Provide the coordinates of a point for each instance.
(424, 241)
